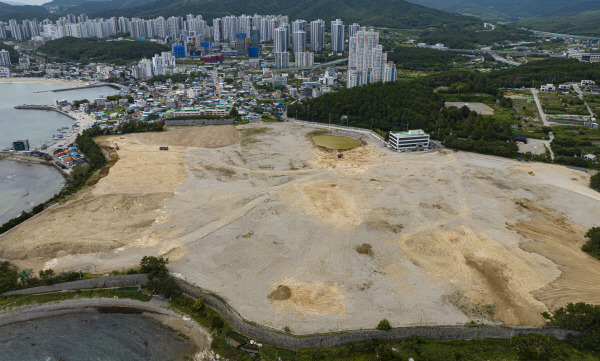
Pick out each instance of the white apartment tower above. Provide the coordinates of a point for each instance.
(4, 58)
(367, 62)
(317, 35)
(337, 36)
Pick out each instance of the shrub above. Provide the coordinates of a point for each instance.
(595, 181)
(384, 325)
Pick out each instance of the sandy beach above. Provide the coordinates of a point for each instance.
(42, 80)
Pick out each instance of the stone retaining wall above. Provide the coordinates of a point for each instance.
(278, 338)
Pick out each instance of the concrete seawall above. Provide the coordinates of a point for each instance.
(43, 107)
(289, 341)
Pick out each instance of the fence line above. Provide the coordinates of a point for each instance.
(341, 127)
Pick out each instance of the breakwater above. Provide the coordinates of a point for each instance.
(285, 340)
(44, 107)
(87, 87)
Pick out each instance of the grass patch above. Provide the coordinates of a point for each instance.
(335, 142)
(248, 132)
(226, 172)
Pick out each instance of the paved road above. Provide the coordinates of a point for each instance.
(544, 120)
(580, 93)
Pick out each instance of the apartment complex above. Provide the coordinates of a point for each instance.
(367, 61)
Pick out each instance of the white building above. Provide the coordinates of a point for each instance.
(305, 59)
(282, 60)
(4, 58)
(4, 72)
(548, 88)
(317, 35)
(367, 62)
(412, 139)
(337, 36)
(281, 39)
(298, 42)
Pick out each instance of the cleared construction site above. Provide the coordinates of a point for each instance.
(293, 234)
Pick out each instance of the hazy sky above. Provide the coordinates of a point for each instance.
(28, 2)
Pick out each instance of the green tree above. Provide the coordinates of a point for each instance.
(595, 181)
(154, 265)
(592, 246)
(384, 325)
(9, 276)
(47, 274)
(535, 347)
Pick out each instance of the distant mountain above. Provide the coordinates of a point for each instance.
(513, 9)
(584, 23)
(92, 6)
(388, 13)
(465, 8)
(22, 12)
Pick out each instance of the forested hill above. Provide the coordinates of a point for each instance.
(399, 105)
(585, 23)
(8, 12)
(69, 49)
(388, 13)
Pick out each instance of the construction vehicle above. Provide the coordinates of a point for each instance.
(531, 172)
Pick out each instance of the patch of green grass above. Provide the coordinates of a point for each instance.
(248, 132)
(335, 142)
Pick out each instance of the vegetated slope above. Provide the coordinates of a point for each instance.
(409, 105)
(527, 75)
(93, 6)
(8, 12)
(471, 38)
(517, 9)
(95, 50)
(390, 13)
(585, 23)
(464, 8)
(14, 55)
(422, 58)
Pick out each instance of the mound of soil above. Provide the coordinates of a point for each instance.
(282, 293)
(364, 248)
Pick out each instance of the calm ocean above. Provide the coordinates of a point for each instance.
(22, 186)
(106, 337)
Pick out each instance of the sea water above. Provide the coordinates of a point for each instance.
(106, 337)
(23, 186)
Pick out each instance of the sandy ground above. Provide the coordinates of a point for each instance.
(480, 108)
(454, 237)
(534, 146)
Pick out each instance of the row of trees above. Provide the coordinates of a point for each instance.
(408, 105)
(87, 50)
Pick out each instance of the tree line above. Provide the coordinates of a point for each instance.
(92, 50)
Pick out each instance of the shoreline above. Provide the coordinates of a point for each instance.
(34, 160)
(156, 309)
(41, 80)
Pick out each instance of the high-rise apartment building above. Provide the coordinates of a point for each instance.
(4, 58)
(353, 29)
(298, 41)
(305, 59)
(337, 36)
(317, 35)
(367, 62)
(280, 40)
(282, 60)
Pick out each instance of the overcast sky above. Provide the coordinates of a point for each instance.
(28, 2)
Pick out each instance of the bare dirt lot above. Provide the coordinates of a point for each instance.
(291, 235)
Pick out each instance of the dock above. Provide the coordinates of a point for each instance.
(112, 85)
(44, 107)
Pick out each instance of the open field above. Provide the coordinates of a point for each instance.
(291, 235)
